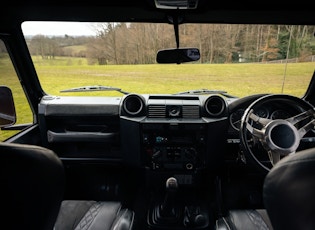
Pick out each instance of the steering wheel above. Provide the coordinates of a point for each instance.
(266, 140)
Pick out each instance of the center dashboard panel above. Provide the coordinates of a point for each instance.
(173, 133)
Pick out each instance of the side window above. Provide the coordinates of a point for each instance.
(9, 78)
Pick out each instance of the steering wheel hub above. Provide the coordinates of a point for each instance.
(281, 136)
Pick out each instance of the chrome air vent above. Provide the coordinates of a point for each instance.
(157, 111)
(191, 111)
(133, 105)
(215, 106)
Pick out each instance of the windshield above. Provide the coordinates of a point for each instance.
(112, 59)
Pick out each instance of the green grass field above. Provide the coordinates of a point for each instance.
(237, 79)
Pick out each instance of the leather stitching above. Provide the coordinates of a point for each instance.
(88, 218)
(257, 220)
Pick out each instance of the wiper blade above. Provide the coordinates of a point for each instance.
(206, 91)
(202, 91)
(93, 88)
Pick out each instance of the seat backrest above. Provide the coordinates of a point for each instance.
(289, 192)
(32, 186)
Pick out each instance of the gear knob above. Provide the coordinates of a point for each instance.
(171, 184)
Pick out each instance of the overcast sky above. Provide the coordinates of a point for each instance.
(57, 28)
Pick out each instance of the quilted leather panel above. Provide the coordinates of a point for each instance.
(257, 220)
(101, 215)
(90, 215)
(244, 220)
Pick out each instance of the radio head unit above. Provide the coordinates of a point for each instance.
(169, 146)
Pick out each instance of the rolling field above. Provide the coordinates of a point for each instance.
(237, 79)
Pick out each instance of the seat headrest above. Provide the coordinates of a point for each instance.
(289, 191)
(32, 186)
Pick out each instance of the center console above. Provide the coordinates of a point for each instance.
(174, 154)
(176, 140)
(176, 157)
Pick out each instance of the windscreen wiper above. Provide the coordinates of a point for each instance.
(206, 91)
(93, 88)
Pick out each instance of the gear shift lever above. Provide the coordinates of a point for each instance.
(168, 212)
(167, 207)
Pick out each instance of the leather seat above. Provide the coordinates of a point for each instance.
(93, 215)
(288, 194)
(248, 219)
(32, 186)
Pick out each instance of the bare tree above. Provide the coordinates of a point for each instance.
(133, 43)
(44, 46)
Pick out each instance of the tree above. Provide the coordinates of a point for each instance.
(44, 46)
(138, 43)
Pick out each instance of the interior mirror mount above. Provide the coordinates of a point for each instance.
(178, 55)
(7, 108)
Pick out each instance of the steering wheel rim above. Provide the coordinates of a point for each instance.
(276, 138)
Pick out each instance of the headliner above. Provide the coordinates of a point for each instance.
(266, 12)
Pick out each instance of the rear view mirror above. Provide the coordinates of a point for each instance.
(7, 108)
(178, 56)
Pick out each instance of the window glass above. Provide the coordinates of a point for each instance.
(239, 59)
(8, 77)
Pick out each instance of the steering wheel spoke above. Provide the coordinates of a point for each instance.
(303, 130)
(307, 115)
(255, 132)
(302, 116)
(274, 157)
(257, 119)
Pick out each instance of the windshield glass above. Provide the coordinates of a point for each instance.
(110, 59)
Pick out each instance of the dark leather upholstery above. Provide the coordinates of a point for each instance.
(289, 198)
(93, 215)
(244, 220)
(289, 192)
(32, 185)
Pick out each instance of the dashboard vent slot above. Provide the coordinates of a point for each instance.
(157, 111)
(190, 111)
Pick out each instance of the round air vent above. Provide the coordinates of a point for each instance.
(133, 105)
(215, 106)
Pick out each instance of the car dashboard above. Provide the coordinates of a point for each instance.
(161, 132)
